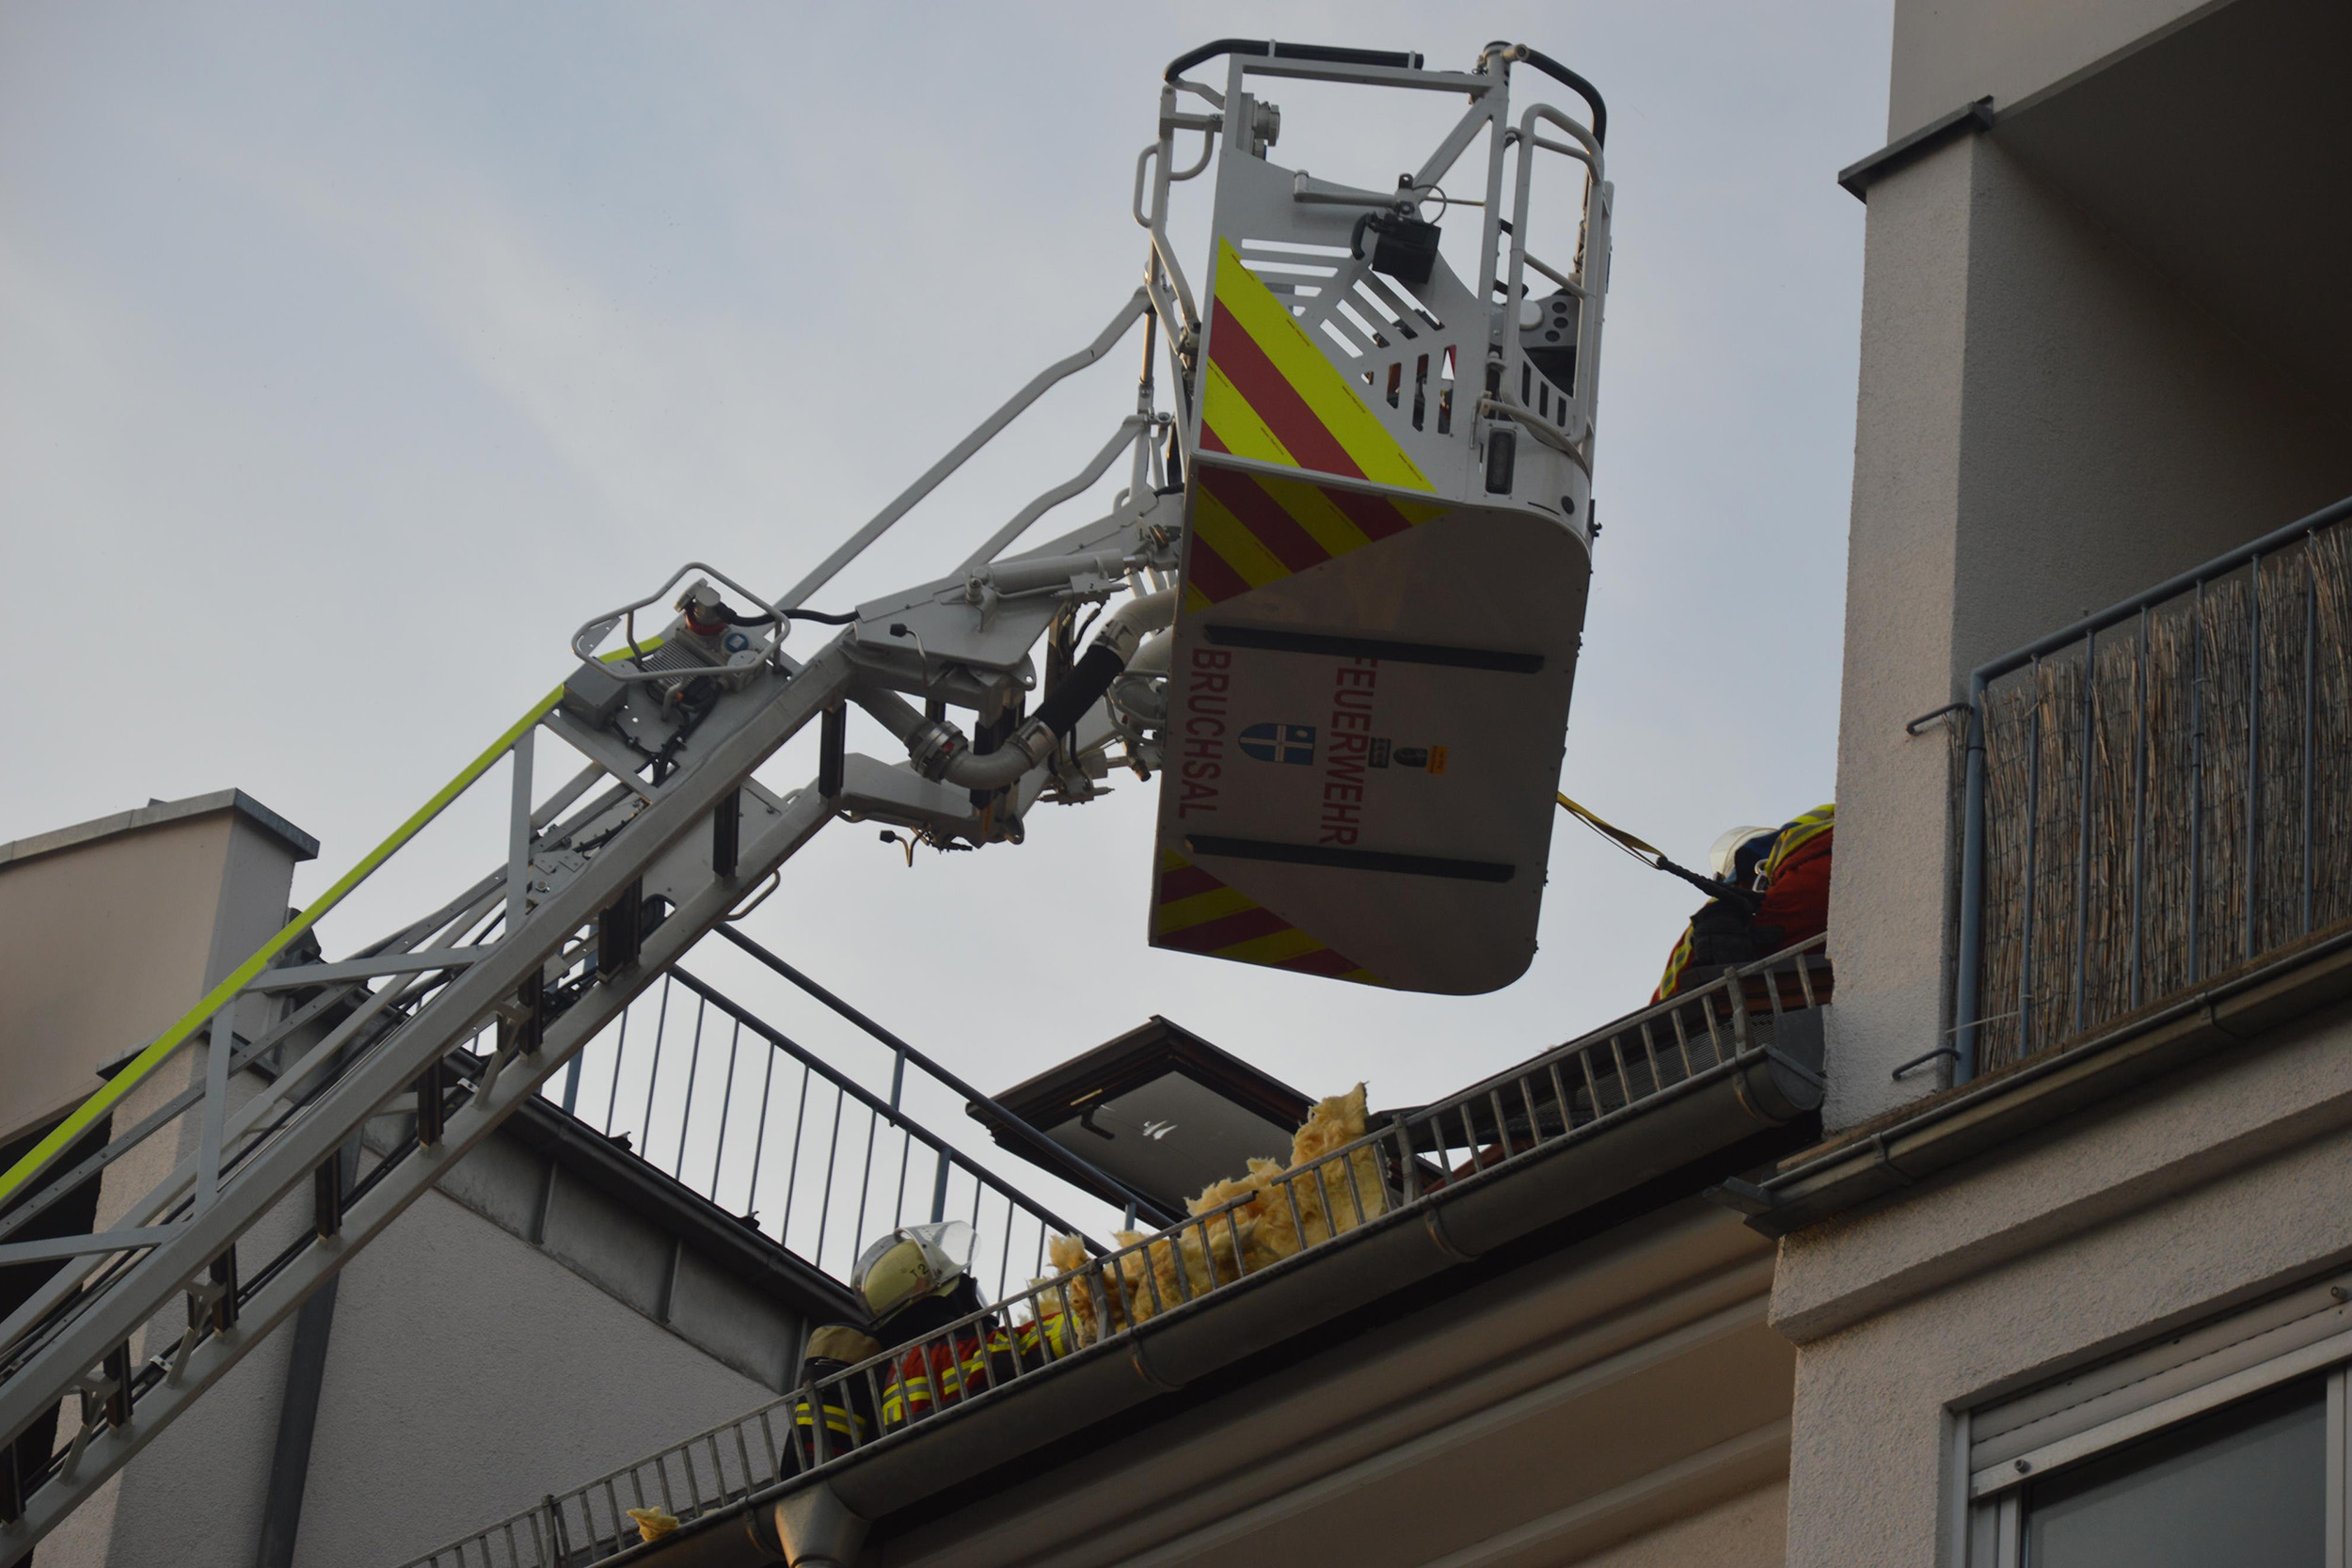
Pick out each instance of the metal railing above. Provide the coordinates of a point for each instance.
(693, 1083)
(1573, 1092)
(2156, 795)
(698, 1087)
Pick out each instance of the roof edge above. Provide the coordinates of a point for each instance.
(156, 814)
(1857, 177)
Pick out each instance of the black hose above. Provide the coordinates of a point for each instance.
(1738, 898)
(765, 617)
(1269, 48)
(1079, 689)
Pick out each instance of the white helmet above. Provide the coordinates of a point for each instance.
(1724, 858)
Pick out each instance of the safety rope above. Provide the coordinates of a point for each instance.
(1653, 857)
(1610, 830)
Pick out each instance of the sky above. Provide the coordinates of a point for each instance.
(350, 357)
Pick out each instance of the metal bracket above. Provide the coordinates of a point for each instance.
(1744, 1196)
(1926, 718)
(1917, 1062)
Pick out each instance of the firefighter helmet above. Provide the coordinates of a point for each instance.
(1736, 854)
(913, 1263)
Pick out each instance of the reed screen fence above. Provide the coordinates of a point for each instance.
(2163, 795)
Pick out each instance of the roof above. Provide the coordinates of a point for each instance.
(155, 815)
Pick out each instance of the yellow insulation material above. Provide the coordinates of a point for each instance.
(1283, 1208)
(653, 1524)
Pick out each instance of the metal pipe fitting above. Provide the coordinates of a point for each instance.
(939, 751)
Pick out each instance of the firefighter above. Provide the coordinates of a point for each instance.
(849, 1407)
(1787, 870)
(917, 1282)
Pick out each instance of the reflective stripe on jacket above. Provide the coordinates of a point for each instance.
(848, 1427)
(1676, 961)
(1794, 835)
(936, 1373)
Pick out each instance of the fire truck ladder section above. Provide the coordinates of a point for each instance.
(1373, 475)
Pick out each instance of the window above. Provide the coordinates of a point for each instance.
(2246, 1486)
(2225, 1447)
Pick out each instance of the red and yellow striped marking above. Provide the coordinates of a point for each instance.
(1273, 396)
(1250, 530)
(1198, 913)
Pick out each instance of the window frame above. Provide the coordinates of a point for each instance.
(2004, 1444)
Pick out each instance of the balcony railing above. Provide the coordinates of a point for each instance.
(1392, 1174)
(699, 1086)
(2158, 794)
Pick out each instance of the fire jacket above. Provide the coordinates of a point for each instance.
(1795, 879)
(939, 1371)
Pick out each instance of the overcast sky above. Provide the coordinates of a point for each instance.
(351, 357)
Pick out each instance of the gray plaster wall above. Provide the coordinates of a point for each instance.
(2046, 425)
(1948, 53)
(556, 1311)
(469, 1374)
(669, 1273)
(1887, 890)
(2187, 1199)
(520, 1332)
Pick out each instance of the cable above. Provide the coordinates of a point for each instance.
(737, 618)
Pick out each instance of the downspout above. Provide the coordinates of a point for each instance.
(1966, 1003)
(939, 750)
(811, 1528)
(815, 1530)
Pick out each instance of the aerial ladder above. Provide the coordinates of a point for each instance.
(1335, 608)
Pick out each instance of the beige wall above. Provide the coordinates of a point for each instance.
(105, 941)
(1948, 53)
(2046, 425)
(2173, 1204)
(1750, 1531)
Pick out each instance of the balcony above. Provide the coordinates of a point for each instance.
(2158, 798)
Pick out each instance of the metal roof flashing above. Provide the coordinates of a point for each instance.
(1875, 1161)
(156, 814)
(1857, 177)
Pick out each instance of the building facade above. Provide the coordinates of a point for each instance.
(2081, 1307)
